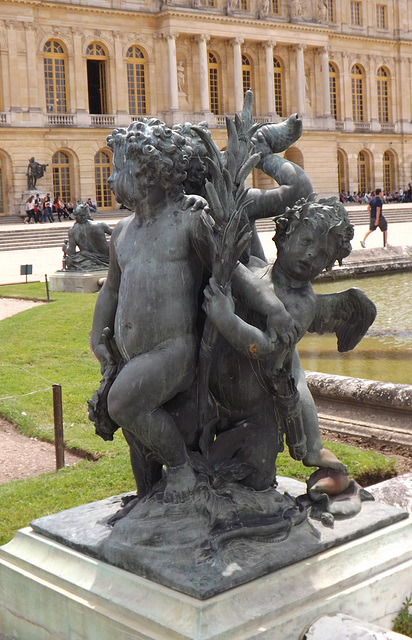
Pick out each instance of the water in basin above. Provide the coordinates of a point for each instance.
(386, 351)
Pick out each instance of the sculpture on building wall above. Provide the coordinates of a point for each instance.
(198, 353)
(35, 170)
(86, 248)
(322, 10)
(263, 8)
(296, 9)
(181, 76)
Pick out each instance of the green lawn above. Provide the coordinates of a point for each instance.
(50, 344)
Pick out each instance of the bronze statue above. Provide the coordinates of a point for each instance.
(35, 170)
(87, 248)
(203, 385)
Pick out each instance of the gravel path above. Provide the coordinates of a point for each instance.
(22, 457)
(11, 306)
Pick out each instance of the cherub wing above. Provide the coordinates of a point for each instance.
(348, 313)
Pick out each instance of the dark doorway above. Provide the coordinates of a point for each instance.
(96, 83)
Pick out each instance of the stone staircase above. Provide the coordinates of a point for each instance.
(46, 236)
(42, 236)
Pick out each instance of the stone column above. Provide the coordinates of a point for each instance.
(325, 82)
(300, 79)
(15, 104)
(120, 99)
(173, 87)
(270, 83)
(203, 73)
(31, 55)
(79, 88)
(371, 94)
(347, 115)
(400, 85)
(237, 73)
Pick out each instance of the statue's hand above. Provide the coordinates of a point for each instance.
(217, 304)
(281, 325)
(195, 202)
(260, 145)
(103, 357)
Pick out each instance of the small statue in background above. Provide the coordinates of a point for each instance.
(35, 170)
(87, 248)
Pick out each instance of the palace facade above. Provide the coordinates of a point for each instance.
(72, 70)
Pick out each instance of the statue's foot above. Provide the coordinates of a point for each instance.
(181, 483)
(324, 459)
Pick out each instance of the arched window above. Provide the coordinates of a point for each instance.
(358, 106)
(388, 172)
(279, 90)
(207, 3)
(214, 83)
(2, 199)
(61, 176)
(295, 155)
(243, 5)
(97, 78)
(102, 170)
(333, 91)
(246, 73)
(136, 81)
(342, 172)
(54, 61)
(363, 172)
(383, 95)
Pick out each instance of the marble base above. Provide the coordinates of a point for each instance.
(174, 560)
(50, 591)
(77, 281)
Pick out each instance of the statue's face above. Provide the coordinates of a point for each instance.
(307, 252)
(127, 184)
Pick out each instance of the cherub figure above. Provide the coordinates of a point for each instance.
(252, 367)
(149, 304)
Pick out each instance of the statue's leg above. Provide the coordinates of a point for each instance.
(251, 448)
(147, 472)
(316, 455)
(136, 400)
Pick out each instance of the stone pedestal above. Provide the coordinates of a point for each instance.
(77, 281)
(25, 196)
(49, 590)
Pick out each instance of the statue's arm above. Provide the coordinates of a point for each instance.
(293, 182)
(72, 244)
(243, 337)
(107, 229)
(105, 311)
(256, 294)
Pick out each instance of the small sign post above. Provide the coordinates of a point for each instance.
(26, 270)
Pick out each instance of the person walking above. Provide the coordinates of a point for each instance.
(47, 209)
(376, 218)
(30, 210)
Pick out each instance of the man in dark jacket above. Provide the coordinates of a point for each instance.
(376, 218)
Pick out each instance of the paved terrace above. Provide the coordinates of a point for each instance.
(40, 245)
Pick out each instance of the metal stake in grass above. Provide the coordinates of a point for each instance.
(58, 426)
